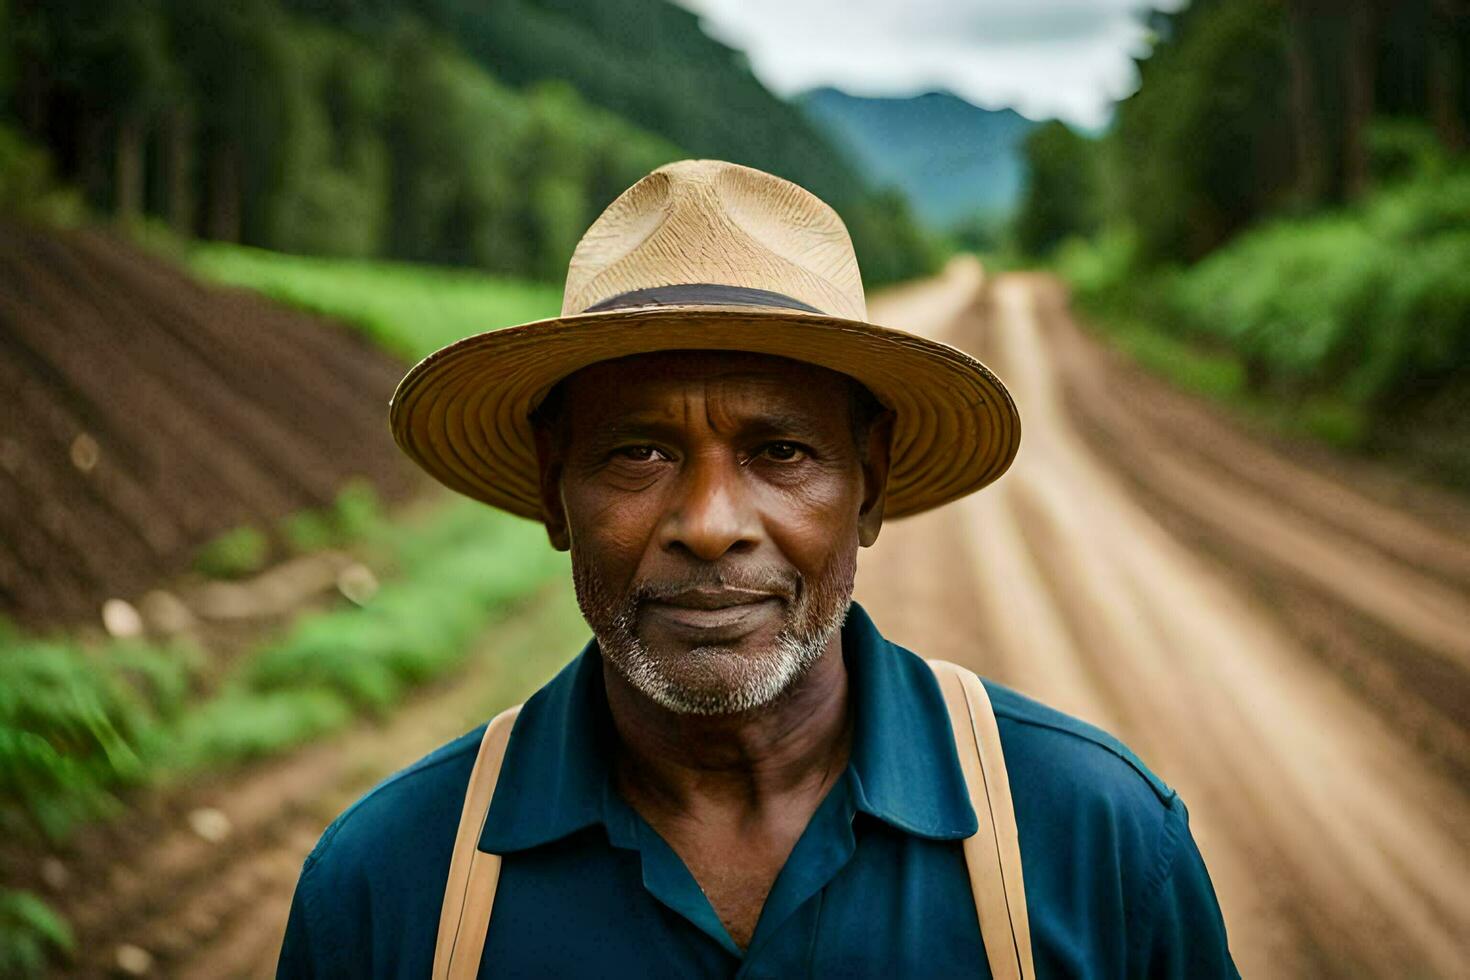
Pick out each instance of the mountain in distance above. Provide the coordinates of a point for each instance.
(949, 157)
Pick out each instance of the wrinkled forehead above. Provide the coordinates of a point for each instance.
(668, 382)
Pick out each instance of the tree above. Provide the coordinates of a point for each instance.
(1062, 189)
(1206, 144)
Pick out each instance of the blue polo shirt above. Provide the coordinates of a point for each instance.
(875, 887)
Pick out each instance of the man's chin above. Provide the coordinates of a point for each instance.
(713, 679)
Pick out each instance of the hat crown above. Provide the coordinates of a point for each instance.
(711, 221)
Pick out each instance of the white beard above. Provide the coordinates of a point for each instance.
(713, 681)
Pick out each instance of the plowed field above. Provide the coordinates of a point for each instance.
(144, 413)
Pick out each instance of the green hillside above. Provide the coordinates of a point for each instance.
(646, 60)
(446, 131)
(649, 62)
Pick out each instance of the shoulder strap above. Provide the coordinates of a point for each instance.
(993, 854)
(464, 918)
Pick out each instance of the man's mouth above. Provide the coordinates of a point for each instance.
(717, 598)
(714, 615)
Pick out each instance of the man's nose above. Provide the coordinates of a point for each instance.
(712, 513)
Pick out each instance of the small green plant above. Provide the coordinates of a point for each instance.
(236, 553)
(28, 186)
(31, 934)
(71, 721)
(307, 531)
(241, 724)
(357, 512)
(356, 515)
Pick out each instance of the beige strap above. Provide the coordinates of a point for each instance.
(993, 854)
(464, 918)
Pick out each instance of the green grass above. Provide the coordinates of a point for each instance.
(355, 515)
(236, 553)
(460, 572)
(71, 722)
(79, 722)
(409, 310)
(30, 934)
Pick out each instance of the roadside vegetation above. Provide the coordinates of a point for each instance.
(1250, 238)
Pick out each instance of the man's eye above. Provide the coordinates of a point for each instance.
(783, 452)
(638, 454)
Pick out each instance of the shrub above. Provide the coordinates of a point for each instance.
(27, 186)
(308, 530)
(1371, 305)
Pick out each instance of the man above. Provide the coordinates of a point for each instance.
(738, 776)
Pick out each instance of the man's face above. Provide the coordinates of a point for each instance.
(713, 503)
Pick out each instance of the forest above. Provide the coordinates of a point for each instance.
(449, 132)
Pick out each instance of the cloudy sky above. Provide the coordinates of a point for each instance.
(1046, 58)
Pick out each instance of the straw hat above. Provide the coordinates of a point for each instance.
(706, 255)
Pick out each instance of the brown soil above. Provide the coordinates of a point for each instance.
(147, 413)
(1280, 634)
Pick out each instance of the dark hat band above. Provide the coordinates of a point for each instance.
(700, 294)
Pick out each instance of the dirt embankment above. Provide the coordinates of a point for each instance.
(145, 413)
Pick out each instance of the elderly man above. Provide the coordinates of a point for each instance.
(738, 776)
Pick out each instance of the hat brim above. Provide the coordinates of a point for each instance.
(462, 412)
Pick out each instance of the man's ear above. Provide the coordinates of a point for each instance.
(549, 464)
(875, 478)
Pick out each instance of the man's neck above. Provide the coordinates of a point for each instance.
(736, 766)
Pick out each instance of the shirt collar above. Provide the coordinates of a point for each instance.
(557, 775)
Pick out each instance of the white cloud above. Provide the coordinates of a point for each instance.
(1064, 58)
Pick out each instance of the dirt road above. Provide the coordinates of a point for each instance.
(1281, 641)
(1282, 637)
